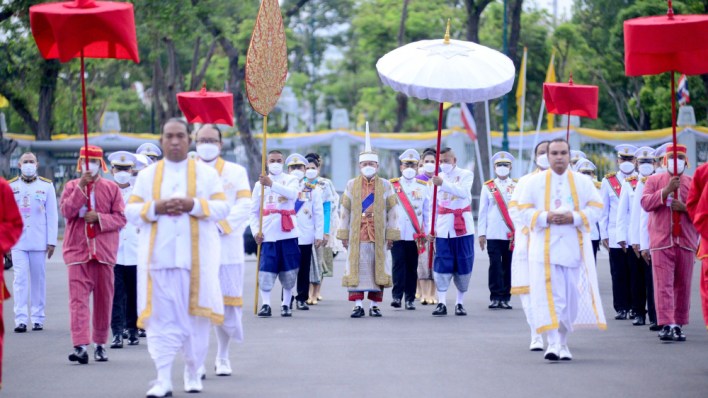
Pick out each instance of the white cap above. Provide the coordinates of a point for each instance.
(296, 159)
(368, 155)
(661, 151)
(121, 158)
(502, 156)
(141, 162)
(149, 149)
(585, 165)
(626, 150)
(409, 155)
(644, 152)
(575, 155)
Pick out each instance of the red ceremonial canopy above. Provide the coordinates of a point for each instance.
(207, 107)
(571, 99)
(102, 29)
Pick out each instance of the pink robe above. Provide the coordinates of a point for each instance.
(672, 256)
(698, 209)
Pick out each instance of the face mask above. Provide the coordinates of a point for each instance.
(93, 168)
(368, 171)
(681, 166)
(409, 173)
(627, 167)
(502, 171)
(646, 169)
(446, 167)
(311, 174)
(122, 177)
(208, 152)
(275, 168)
(429, 168)
(299, 174)
(542, 162)
(29, 169)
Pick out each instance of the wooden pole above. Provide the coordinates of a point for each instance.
(260, 219)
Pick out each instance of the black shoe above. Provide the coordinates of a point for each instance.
(100, 354)
(117, 341)
(459, 310)
(440, 310)
(505, 305)
(141, 333)
(265, 311)
(37, 327)
(410, 305)
(677, 334)
(621, 315)
(358, 312)
(631, 314)
(494, 305)
(79, 355)
(125, 333)
(133, 337)
(21, 328)
(396, 303)
(639, 321)
(654, 327)
(665, 334)
(292, 298)
(375, 312)
(302, 306)
(285, 311)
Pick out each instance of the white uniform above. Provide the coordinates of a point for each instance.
(610, 201)
(419, 198)
(624, 211)
(128, 238)
(37, 202)
(310, 216)
(490, 221)
(455, 193)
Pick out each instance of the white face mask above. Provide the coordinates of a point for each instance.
(409, 173)
(681, 166)
(429, 168)
(299, 174)
(502, 171)
(275, 168)
(29, 169)
(646, 169)
(93, 168)
(311, 174)
(368, 171)
(542, 162)
(208, 152)
(627, 167)
(446, 167)
(122, 177)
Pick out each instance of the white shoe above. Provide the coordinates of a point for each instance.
(222, 367)
(201, 372)
(553, 352)
(192, 382)
(536, 343)
(159, 390)
(565, 354)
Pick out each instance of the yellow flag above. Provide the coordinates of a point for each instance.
(447, 105)
(4, 103)
(521, 92)
(551, 78)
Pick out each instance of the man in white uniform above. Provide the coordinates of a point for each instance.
(150, 150)
(37, 201)
(588, 168)
(559, 211)
(177, 203)
(238, 195)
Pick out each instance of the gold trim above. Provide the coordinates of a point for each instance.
(596, 204)
(586, 224)
(218, 196)
(342, 234)
(244, 193)
(547, 264)
(513, 203)
(534, 219)
(392, 233)
(346, 202)
(520, 290)
(205, 207)
(219, 165)
(233, 301)
(225, 227)
(525, 206)
(391, 201)
(145, 210)
(135, 199)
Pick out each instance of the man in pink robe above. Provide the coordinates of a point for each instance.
(698, 209)
(90, 250)
(673, 241)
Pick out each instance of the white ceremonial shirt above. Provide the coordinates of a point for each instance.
(128, 236)
(280, 196)
(490, 221)
(310, 217)
(455, 193)
(418, 196)
(624, 212)
(37, 202)
(610, 201)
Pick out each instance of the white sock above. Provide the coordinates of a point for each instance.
(358, 303)
(287, 295)
(265, 297)
(223, 340)
(164, 374)
(460, 297)
(673, 325)
(441, 297)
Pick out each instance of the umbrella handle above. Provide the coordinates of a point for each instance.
(90, 228)
(260, 217)
(675, 216)
(567, 130)
(435, 187)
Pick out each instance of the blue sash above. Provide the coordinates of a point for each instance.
(299, 203)
(367, 202)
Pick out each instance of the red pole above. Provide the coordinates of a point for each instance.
(90, 231)
(675, 216)
(567, 130)
(435, 187)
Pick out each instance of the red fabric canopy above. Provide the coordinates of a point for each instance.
(103, 29)
(569, 98)
(207, 107)
(654, 45)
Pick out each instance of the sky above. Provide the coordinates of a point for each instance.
(564, 7)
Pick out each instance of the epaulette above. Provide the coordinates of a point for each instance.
(419, 181)
(515, 179)
(631, 178)
(45, 179)
(311, 186)
(11, 180)
(644, 180)
(394, 179)
(598, 184)
(608, 175)
(488, 182)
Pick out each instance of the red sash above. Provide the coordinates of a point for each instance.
(615, 184)
(286, 219)
(419, 235)
(503, 209)
(460, 227)
(633, 183)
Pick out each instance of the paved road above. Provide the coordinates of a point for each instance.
(324, 353)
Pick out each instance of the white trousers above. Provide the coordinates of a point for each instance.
(170, 328)
(528, 311)
(564, 282)
(29, 284)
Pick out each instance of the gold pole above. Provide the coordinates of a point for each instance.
(260, 220)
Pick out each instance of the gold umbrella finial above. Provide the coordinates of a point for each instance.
(447, 32)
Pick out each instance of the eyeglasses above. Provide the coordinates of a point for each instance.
(208, 141)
